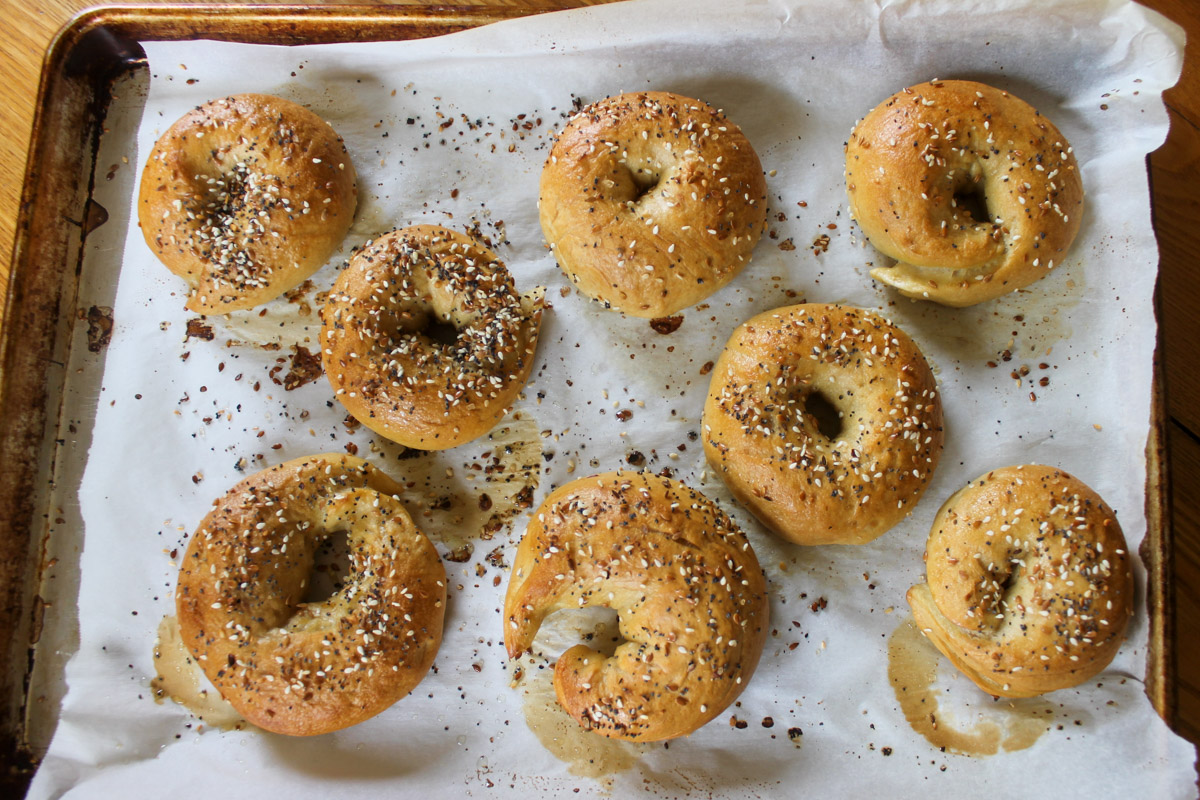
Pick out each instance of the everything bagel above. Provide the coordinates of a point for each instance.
(652, 202)
(690, 596)
(972, 191)
(847, 483)
(244, 198)
(425, 340)
(1029, 586)
(305, 668)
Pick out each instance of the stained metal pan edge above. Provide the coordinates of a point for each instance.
(1157, 548)
(84, 59)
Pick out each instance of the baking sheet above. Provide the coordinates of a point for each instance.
(454, 131)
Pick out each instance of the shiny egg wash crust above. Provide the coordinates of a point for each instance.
(652, 201)
(767, 446)
(1029, 585)
(305, 668)
(245, 197)
(389, 372)
(689, 593)
(915, 156)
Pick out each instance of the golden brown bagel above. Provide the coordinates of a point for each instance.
(378, 345)
(762, 438)
(1029, 585)
(308, 668)
(913, 164)
(244, 198)
(690, 596)
(652, 202)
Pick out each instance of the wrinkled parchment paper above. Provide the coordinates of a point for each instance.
(454, 131)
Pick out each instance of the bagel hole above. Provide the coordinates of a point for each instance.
(597, 627)
(824, 414)
(331, 568)
(1008, 586)
(971, 200)
(440, 331)
(645, 181)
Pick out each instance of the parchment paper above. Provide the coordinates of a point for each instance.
(454, 131)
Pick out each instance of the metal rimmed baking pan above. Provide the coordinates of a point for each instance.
(41, 319)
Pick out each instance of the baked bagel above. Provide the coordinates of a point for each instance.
(1029, 585)
(689, 593)
(244, 198)
(652, 202)
(824, 421)
(305, 668)
(425, 340)
(969, 189)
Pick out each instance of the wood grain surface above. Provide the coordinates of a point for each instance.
(30, 26)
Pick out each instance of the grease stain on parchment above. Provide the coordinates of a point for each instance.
(587, 754)
(471, 493)
(287, 321)
(180, 679)
(1007, 724)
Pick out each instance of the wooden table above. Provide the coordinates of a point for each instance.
(1175, 171)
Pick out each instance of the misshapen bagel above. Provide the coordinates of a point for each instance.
(244, 198)
(652, 202)
(1029, 586)
(390, 368)
(853, 481)
(917, 164)
(308, 668)
(690, 596)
